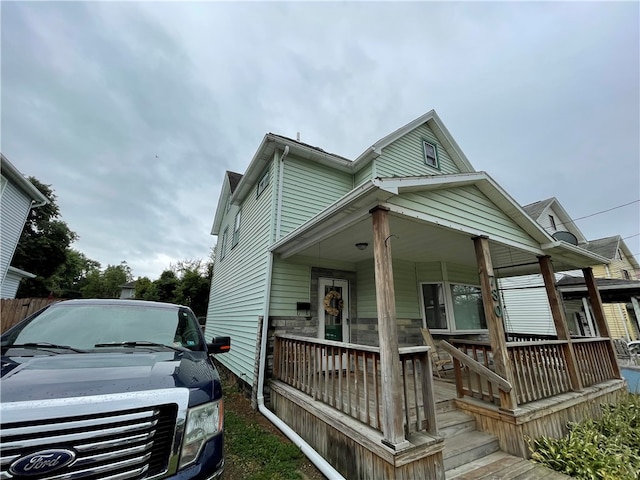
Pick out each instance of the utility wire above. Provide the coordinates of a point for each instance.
(604, 211)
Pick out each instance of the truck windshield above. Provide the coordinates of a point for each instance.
(85, 326)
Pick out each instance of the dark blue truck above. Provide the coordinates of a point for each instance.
(110, 390)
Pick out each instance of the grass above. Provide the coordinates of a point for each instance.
(261, 455)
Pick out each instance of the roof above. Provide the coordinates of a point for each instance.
(10, 172)
(606, 247)
(234, 180)
(612, 290)
(129, 284)
(535, 209)
(309, 146)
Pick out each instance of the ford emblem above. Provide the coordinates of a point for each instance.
(42, 462)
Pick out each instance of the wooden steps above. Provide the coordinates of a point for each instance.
(502, 466)
(470, 455)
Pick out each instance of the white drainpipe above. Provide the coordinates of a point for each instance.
(315, 458)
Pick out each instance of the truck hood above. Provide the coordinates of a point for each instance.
(85, 374)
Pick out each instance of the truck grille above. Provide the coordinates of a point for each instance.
(126, 444)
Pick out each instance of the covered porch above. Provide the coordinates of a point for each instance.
(369, 403)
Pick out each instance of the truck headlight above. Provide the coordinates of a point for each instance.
(203, 422)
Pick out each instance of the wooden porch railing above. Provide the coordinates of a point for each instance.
(474, 377)
(347, 377)
(594, 362)
(539, 367)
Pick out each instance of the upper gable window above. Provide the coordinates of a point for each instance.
(236, 229)
(263, 183)
(552, 222)
(430, 154)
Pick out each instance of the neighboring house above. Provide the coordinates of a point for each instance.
(17, 197)
(325, 263)
(128, 290)
(526, 306)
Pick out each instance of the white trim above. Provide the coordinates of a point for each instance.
(21, 273)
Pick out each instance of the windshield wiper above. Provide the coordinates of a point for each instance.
(42, 345)
(141, 343)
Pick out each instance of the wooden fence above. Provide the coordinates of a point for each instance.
(12, 310)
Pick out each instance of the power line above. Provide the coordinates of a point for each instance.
(607, 210)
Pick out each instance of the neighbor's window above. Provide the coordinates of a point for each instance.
(453, 307)
(430, 154)
(434, 306)
(552, 221)
(468, 309)
(263, 183)
(625, 274)
(236, 229)
(223, 243)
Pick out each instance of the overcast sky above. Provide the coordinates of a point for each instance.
(133, 112)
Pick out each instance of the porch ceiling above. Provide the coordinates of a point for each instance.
(415, 241)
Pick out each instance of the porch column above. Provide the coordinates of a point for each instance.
(560, 321)
(391, 383)
(598, 313)
(493, 315)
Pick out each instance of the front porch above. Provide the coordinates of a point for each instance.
(330, 393)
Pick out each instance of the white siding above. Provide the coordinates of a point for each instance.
(237, 295)
(14, 207)
(308, 189)
(10, 285)
(405, 156)
(526, 306)
(469, 207)
(545, 221)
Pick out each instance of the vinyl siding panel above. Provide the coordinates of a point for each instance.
(10, 286)
(405, 156)
(545, 222)
(364, 174)
(466, 206)
(14, 206)
(237, 295)
(290, 283)
(309, 188)
(462, 274)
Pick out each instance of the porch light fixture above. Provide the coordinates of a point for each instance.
(361, 245)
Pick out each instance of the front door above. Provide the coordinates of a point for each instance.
(333, 309)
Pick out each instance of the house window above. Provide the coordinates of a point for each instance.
(552, 222)
(430, 154)
(453, 307)
(223, 243)
(236, 230)
(468, 309)
(3, 184)
(619, 254)
(434, 306)
(625, 274)
(263, 183)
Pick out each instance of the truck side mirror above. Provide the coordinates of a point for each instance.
(219, 345)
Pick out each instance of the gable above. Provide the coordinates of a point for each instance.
(405, 156)
(466, 207)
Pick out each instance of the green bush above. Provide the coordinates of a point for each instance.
(607, 448)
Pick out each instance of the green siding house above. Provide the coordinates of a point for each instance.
(326, 264)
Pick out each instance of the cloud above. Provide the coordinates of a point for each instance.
(133, 111)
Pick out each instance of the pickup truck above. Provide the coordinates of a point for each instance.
(110, 390)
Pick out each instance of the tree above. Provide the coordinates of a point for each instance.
(43, 244)
(166, 286)
(107, 284)
(71, 276)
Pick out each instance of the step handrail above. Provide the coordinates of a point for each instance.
(477, 367)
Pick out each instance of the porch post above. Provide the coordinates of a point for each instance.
(601, 321)
(560, 321)
(391, 383)
(493, 315)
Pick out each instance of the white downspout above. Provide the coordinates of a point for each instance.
(315, 458)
